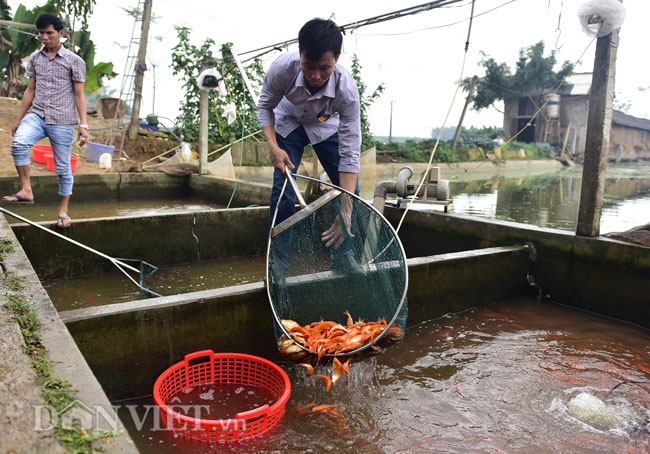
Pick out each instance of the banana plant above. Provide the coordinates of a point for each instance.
(94, 72)
(18, 43)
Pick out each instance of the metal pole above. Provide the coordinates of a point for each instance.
(70, 240)
(599, 125)
(139, 71)
(203, 132)
(459, 128)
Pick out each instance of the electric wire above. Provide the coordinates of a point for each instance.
(444, 123)
(369, 21)
(451, 24)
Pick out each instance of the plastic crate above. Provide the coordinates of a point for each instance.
(95, 150)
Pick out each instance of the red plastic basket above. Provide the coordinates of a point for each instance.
(224, 368)
(38, 152)
(49, 160)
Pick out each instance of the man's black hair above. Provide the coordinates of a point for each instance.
(317, 37)
(47, 19)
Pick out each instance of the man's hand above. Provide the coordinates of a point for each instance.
(339, 231)
(14, 128)
(280, 159)
(83, 137)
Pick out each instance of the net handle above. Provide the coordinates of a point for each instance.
(268, 253)
(294, 186)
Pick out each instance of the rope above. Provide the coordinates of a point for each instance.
(442, 128)
(241, 159)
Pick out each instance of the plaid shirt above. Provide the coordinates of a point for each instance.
(54, 97)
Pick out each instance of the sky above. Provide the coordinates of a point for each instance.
(419, 58)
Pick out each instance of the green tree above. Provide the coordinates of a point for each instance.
(187, 61)
(367, 139)
(533, 74)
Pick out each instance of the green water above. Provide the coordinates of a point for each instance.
(109, 288)
(108, 208)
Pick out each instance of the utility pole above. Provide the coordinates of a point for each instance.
(459, 128)
(599, 125)
(390, 128)
(140, 68)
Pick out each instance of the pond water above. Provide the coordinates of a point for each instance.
(114, 287)
(553, 200)
(108, 208)
(518, 376)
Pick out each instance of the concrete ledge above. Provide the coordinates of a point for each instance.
(146, 337)
(67, 361)
(600, 274)
(19, 395)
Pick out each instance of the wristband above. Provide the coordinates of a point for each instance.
(83, 126)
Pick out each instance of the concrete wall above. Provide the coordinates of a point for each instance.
(108, 186)
(130, 344)
(605, 276)
(220, 191)
(66, 361)
(159, 240)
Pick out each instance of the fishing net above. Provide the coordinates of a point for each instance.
(316, 286)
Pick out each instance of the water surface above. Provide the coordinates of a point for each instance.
(489, 380)
(109, 208)
(114, 287)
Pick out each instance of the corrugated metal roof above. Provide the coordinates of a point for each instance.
(621, 119)
(580, 84)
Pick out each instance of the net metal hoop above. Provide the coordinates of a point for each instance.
(395, 238)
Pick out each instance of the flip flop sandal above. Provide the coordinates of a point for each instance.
(19, 199)
(60, 223)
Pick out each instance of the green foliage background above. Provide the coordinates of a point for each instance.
(533, 74)
(187, 61)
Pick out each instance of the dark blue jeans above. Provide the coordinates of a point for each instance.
(294, 144)
(328, 155)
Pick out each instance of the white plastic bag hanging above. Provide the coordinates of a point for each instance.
(230, 112)
(611, 14)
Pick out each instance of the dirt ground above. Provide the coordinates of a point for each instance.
(145, 146)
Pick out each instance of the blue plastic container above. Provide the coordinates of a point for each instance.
(95, 150)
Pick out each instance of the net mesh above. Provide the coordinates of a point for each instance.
(365, 276)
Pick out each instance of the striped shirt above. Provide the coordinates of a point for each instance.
(287, 103)
(54, 95)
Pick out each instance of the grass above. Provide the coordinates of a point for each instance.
(57, 393)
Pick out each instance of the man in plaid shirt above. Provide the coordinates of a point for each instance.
(52, 104)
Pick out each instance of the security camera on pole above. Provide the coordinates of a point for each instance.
(209, 79)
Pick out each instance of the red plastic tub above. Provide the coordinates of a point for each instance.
(205, 367)
(49, 160)
(39, 151)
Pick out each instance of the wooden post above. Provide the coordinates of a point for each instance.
(390, 127)
(599, 125)
(459, 128)
(203, 132)
(139, 71)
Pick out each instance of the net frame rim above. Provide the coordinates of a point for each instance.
(268, 253)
